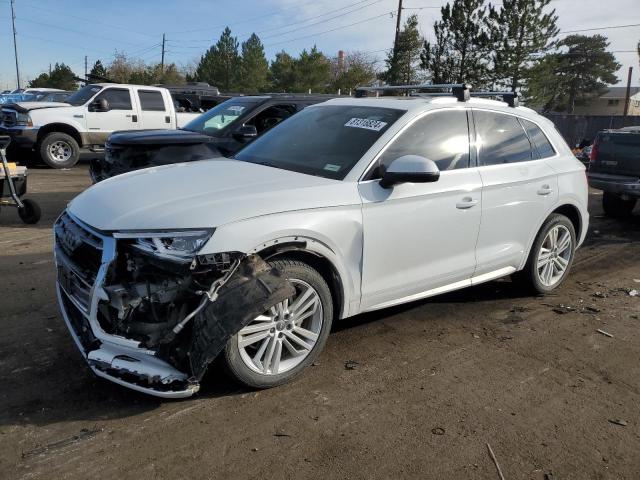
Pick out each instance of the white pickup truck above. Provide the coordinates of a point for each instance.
(57, 131)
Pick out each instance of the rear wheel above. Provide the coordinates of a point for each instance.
(279, 344)
(551, 256)
(59, 150)
(617, 207)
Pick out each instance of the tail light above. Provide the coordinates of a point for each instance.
(593, 156)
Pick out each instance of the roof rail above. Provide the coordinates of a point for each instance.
(459, 90)
(510, 98)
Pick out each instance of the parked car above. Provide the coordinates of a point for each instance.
(223, 130)
(57, 132)
(350, 206)
(60, 97)
(615, 169)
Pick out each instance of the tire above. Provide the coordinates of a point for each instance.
(59, 150)
(537, 278)
(616, 207)
(30, 212)
(238, 360)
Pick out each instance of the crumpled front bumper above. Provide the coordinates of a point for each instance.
(112, 357)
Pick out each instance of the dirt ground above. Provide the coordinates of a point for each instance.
(435, 382)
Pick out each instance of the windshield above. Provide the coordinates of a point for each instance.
(325, 141)
(83, 95)
(221, 116)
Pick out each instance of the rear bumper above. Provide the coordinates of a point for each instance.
(24, 137)
(620, 185)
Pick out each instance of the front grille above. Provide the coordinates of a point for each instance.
(79, 256)
(9, 118)
(79, 324)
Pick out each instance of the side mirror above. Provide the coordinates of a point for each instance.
(410, 169)
(246, 131)
(100, 105)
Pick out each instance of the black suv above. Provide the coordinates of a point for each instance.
(615, 169)
(221, 131)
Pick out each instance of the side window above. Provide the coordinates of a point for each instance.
(151, 101)
(539, 139)
(501, 139)
(440, 136)
(118, 98)
(271, 116)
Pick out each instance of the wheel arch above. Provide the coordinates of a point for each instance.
(299, 250)
(61, 128)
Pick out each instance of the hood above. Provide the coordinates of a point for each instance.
(24, 107)
(204, 194)
(158, 137)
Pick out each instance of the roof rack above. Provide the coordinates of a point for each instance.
(461, 91)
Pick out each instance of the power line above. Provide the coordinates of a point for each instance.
(77, 32)
(601, 28)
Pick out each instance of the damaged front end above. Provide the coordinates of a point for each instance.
(150, 314)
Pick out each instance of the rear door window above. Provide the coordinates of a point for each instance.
(440, 136)
(151, 101)
(118, 98)
(539, 139)
(501, 139)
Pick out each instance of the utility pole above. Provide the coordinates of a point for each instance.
(162, 61)
(85, 67)
(398, 20)
(627, 97)
(15, 45)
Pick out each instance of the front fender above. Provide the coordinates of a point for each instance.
(334, 233)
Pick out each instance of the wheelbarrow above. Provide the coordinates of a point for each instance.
(13, 185)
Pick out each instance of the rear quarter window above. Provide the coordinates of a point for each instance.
(540, 141)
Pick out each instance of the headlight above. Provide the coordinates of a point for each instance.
(180, 246)
(23, 119)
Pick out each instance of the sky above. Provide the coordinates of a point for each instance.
(50, 31)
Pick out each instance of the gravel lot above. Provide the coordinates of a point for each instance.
(434, 382)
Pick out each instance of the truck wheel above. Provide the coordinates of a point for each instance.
(59, 150)
(277, 346)
(551, 255)
(617, 207)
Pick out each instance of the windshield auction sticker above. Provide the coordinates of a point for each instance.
(375, 125)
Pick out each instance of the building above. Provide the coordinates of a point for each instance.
(610, 103)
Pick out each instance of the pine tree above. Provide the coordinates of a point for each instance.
(61, 77)
(459, 53)
(282, 72)
(312, 71)
(403, 60)
(98, 69)
(520, 31)
(220, 65)
(254, 66)
(581, 70)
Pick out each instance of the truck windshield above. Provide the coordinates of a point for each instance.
(213, 121)
(325, 141)
(83, 95)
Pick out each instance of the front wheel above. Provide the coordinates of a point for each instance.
(279, 344)
(551, 256)
(59, 150)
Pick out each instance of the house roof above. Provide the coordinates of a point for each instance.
(619, 92)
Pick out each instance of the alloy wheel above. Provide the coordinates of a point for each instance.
(554, 256)
(281, 338)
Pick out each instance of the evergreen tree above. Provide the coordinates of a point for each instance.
(220, 65)
(254, 66)
(61, 77)
(312, 71)
(403, 60)
(459, 53)
(282, 72)
(580, 71)
(520, 31)
(98, 69)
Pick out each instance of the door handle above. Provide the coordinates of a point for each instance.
(545, 190)
(467, 202)
(134, 118)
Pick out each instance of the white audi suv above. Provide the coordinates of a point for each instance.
(352, 205)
